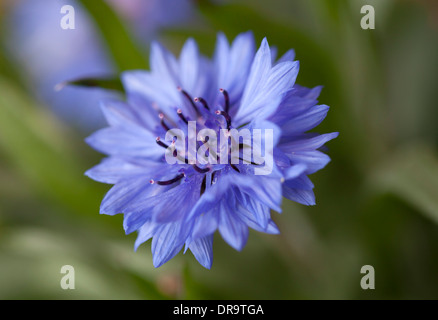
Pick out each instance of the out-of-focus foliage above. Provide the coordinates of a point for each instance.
(377, 201)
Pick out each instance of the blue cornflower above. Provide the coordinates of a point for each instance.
(181, 205)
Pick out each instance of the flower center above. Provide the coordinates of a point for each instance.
(194, 102)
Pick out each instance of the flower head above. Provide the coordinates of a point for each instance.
(176, 111)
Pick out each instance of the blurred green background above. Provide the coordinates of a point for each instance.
(377, 201)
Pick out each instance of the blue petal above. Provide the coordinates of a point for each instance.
(166, 243)
(253, 210)
(239, 64)
(299, 190)
(307, 93)
(124, 141)
(202, 249)
(206, 224)
(257, 217)
(314, 160)
(291, 106)
(134, 220)
(267, 96)
(305, 121)
(189, 67)
(272, 228)
(112, 170)
(281, 159)
(294, 171)
(260, 70)
(145, 110)
(282, 77)
(164, 64)
(232, 65)
(221, 56)
(288, 56)
(149, 88)
(306, 197)
(164, 204)
(118, 113)
(265, 189)
(211, 196)
(123, 193)
(145, 233)
(259, 74)
(263, 125)
(307, 144)
(176, 203)
(301, 182)
(274, 53)
(233, 230)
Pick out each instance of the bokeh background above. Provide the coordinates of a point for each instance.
(377, 201)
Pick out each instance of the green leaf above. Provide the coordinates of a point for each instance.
(411, 174)
(123, 49)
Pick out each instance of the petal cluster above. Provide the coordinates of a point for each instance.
(180, 206)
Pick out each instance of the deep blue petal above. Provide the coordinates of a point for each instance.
(307, 93)
(145, 233)
(295, 171)
(189, 67)
(113, 169)
(232, 66)
(123, 141)
(305, 121)
(300, 190)
(118, 113)
(166, 243)
(253, 210)
(306, 197)
(307, 142)
(264, 99)
(288, 56)
(257, 78)
(163, 64)
(176, 203)
(265, 189)
(314, 160)
(206, 224)
(233, 230)
(202, 249)
(290, 108)
(150, 88)
(123, 193)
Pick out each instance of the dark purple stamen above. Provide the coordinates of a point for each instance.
(227, 99)
(205, 170)
(181, 116)
(161, 143)
(203, 185)
(235, 168)
(168, 182)
(253, 163)
(226, 116)
(163, 124)
(204, 103)
(188, 98)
